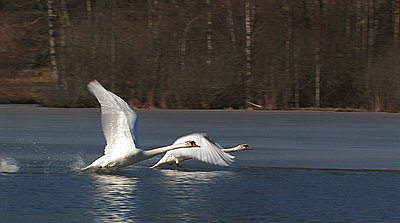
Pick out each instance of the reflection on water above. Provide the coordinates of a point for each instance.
(166, 195)
(115, 198)
(194, 177)
(190, 192)
(156, 195)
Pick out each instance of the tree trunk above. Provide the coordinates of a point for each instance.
(317, 78)
(272, 89)
(93, 24)
(52, 40)
(377, 97)
(395, 18)
(183, 45)
(358, 28)
(377, 101)
(296, 83)
(64, 22)
(209, 33)
(156, 31)
(231, 25)
(318, 58)
(63, 52)
(396, 21)
(150, 14)
(89, 8)
(364, 22)
(113, 50)
(371, 29)
(153, 22)
(348, 19)
(288, 51)
(371, 38)
(248, 48)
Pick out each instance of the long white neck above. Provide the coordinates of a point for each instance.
(153, 152)
(233, 149)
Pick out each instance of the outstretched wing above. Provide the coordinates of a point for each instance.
(117, 119)
(209, 151)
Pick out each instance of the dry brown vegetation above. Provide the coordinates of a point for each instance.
(270, 54)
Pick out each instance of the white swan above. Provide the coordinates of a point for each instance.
(118, 123)
(211, 152)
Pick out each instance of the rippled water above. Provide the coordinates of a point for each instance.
(306, 167)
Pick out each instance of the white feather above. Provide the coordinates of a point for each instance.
(117, 119)
(209, 152)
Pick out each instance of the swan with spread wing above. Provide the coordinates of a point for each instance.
(206, 154)
(118, 123)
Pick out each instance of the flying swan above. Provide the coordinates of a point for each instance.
(118, 123)
(179, 155)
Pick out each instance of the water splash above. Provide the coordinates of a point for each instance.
(78, 164)
(8, 165)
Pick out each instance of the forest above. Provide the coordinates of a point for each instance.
(206, 54)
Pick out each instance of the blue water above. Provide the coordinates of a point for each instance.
(306, 167)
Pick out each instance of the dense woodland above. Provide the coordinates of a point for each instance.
(268, 54)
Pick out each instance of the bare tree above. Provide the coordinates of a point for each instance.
(150, 14)
(183, 46)
(314, 53)
(272, 89)
(209, 32)
(113, 50)
(358, 27)
(318, 56)
(64, 22)
(154, 19)
(52, 39)
(288, 53)
(296, 83)
(249, 14)
(364, 23)
(89, 8)
(231, 24)
(371, 39)
(396, 18)
(348, 18)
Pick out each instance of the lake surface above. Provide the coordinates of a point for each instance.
(305, 167)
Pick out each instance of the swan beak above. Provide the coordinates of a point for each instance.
(194, 144)
(249, 148)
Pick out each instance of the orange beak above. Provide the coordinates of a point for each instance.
(249, 148)
(194, 144)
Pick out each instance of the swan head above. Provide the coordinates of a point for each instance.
(244, 147)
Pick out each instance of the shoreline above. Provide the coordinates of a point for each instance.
(344, 110)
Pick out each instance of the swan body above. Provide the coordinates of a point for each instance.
(115, 161)
(211, 152)
(118, 124)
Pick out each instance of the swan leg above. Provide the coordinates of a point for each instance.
(178, 165)
(177, 162)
